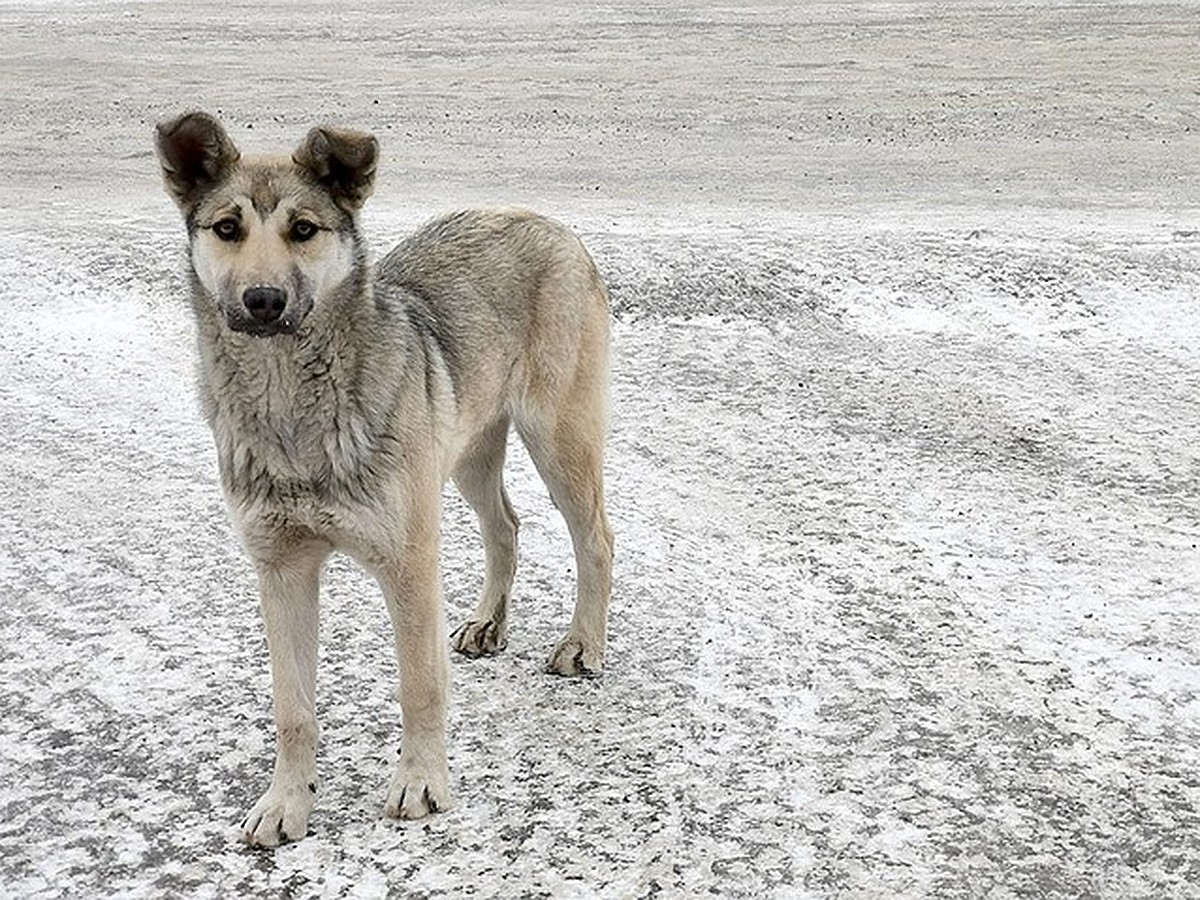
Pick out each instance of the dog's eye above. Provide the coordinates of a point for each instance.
(227, 229)
(303, 230)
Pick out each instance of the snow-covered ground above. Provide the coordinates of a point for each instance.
(903, 468)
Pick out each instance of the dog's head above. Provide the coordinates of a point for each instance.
(270, 237)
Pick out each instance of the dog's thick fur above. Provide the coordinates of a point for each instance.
(342, 396)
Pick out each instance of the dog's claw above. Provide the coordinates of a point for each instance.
(417, 792)
(476, 639)
(281, 815)
(574, 659)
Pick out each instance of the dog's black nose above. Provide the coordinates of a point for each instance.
(265, 304)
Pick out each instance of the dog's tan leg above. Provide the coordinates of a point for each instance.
(412, 588)
(289, 587)
(480, 479)
(569, 455)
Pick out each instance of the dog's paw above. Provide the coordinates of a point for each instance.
(281, 815)
(574, 658)
(475, 639)
(416, 792)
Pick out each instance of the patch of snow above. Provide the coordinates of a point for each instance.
(904, 491)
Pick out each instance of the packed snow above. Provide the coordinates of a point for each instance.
(903, 464)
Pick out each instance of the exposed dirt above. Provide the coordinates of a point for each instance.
(765, 106)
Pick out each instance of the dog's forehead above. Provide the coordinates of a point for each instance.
(267, 184)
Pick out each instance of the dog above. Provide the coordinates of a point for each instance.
(342, 395)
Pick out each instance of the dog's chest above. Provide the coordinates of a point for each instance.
(344, 506)
(300, 450)
(306, 465)
(292, 461)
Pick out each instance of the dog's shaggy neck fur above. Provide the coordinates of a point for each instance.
(316, 436)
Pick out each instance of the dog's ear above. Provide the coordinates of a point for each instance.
(341, 160)
(195, 153)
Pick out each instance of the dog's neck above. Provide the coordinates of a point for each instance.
(298, 413)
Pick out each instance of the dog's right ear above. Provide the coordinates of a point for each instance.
(195, 153)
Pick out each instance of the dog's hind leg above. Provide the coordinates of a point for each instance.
(568, 451)
(288, 587)
(480, 479)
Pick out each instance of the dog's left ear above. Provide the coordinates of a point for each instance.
(343, 161)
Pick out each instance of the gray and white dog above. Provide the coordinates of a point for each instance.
(341, 397)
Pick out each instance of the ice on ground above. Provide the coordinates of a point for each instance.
(903, 468)
(903, 606)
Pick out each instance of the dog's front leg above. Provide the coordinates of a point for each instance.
(412, 589)
(288, 588)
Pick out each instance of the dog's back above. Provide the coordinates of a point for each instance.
(511, 301)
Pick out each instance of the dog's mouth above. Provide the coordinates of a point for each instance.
(282, 325)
